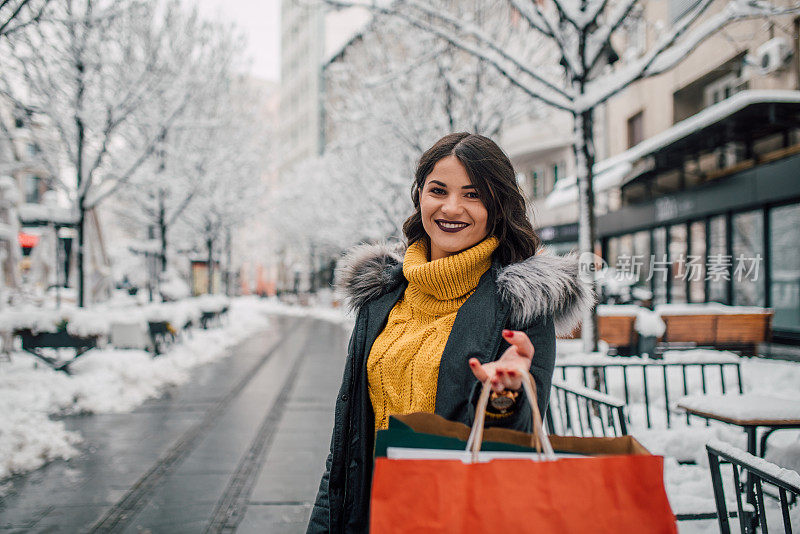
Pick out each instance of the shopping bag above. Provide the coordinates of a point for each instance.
(618, 487)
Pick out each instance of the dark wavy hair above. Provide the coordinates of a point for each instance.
(492, 174)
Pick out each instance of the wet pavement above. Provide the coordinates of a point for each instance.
(240, 448)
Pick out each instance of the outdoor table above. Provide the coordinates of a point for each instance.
(750, 411)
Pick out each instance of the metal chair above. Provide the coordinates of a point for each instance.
(758, 472)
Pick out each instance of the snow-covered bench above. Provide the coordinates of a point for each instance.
(615, 326)
(39, 343)
(716, 325)
(44, 332)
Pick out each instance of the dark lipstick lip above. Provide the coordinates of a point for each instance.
(450, 230)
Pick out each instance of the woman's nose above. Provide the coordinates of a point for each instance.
(451, 205)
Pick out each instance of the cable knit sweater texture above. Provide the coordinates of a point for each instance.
(403, 364)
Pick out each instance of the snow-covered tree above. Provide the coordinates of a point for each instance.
(582, 33)
(90, 73)
(166, 184)
(17, 14)
(233, 158)
(390, 94)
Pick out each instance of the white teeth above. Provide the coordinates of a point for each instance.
(453, 225)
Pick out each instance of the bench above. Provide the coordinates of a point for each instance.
(616, 330)
(36, 343)
(725, 330)
(733, 331)
(161, 334)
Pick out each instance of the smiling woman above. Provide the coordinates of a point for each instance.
(453, 215)
(470, 301)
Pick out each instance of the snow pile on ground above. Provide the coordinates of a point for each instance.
(30, 439)
(103, 381)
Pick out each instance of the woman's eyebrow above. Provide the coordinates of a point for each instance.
(445, 185)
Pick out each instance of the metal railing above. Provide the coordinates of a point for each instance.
(656, 378)
(757, 476)
(580, 411)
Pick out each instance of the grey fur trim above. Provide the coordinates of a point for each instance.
(545, 284)
(367, 272)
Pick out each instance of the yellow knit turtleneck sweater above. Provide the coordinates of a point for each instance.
(403, 364)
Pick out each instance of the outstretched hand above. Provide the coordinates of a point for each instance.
(506, 372)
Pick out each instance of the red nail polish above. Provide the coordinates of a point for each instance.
(507, 333)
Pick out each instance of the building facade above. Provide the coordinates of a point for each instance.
(698, 193)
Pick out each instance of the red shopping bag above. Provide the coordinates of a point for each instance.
(606, 494)
(592, 494)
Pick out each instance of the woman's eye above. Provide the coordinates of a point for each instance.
(437, 191)
(473, 194)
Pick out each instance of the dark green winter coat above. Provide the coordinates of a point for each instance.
(541, 295)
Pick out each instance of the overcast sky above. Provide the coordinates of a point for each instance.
(260, 21)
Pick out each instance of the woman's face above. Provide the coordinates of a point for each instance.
(452, 212)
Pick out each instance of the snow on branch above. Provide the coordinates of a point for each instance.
(520, 75)
(16, 15)
(674, 46)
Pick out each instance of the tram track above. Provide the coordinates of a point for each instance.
(138, 495)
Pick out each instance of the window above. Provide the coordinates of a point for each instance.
(635, 129)
(537, 187)
(32, 189)
(557, 170)
(33, 149)
(717, 259)
(696, 270)
(785, 267)
(723, 88)
(747, 263)
(19, 122)
(677, 260)
(659, 268)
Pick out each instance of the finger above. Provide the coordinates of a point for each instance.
(520, 341)
(478, 370)
(497, 384)
(510, 377)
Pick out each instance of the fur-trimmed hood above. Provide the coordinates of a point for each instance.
(543, 284)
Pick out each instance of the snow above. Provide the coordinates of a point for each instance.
(102, 381)
(588, 392)
(649, 323)
(747, 407)
(787, 476)
(707, 308)
(629, 310)
(30, 213)
(79, 322)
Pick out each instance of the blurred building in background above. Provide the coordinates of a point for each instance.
(310, 34)
(45, 226)
(698, 164)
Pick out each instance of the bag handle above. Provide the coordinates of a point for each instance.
(539, 439)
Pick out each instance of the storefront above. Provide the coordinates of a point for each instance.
(734, 241)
